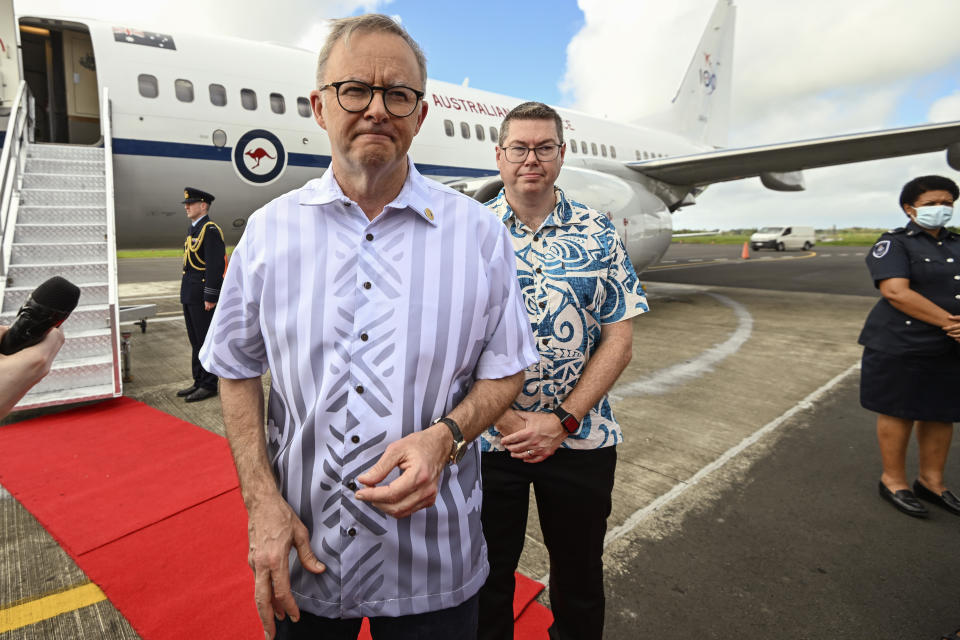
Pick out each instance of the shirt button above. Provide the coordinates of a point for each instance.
(536, 237)
(351, 532)
(949, 259)
(352, 485)
(908, 322)
(956, 277)
(545, 341)
(367, 285)
(539, 270)
(957, 297)
(355, 439)
(543, 304)
(359, 388)
(369, 236)
(926, 259)
(364, 337)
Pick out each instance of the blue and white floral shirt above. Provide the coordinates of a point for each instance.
(575, 276)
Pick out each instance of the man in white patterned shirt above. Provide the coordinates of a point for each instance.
(560, 436)
(387, 310)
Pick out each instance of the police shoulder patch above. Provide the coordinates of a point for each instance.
(881, 249)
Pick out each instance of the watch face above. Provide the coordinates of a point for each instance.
(459, 450)
(570, 423)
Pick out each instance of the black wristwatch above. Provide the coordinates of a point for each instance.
(459, 447)
(570, 423)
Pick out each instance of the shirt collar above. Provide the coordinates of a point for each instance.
(415, 193)
(913, 229)
(194, 223)
(561, 214)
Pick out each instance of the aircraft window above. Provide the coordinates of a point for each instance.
(277, 103)
(218, 95)
(645, 155)
(248, 98)
(494, 135)
(448, 127)
(603, 150)
(613, 152)
(637, 153)
(573, 145)
(479, 130)
(465, 130)
(184, 90)
(593, 147)
(303, 107)
(148, 85)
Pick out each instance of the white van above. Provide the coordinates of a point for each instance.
(783, 238)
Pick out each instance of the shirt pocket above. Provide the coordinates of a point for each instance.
(932, 270)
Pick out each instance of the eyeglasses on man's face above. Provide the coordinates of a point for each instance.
(543, 152)
(355, 96)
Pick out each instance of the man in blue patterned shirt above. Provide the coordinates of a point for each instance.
(580, 291)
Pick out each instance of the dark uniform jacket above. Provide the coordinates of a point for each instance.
(933, 267)
(204, 261)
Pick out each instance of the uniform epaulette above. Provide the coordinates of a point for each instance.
(897, 230)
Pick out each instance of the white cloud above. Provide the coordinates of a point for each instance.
(801, 70)
(946, 109)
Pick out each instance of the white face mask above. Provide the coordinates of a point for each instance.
(933, 216)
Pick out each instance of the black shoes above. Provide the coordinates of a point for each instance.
(201, 394)
(904, 500)
(945, 500)
(185, 392)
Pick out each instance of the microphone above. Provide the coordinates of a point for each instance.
(47, 307)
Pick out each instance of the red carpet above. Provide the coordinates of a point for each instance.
(148, 506)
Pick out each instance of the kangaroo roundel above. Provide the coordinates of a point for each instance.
(259, 157)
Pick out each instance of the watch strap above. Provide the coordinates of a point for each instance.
(569, 422)
(459, 446)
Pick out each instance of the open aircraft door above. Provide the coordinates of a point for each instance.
(10, 69)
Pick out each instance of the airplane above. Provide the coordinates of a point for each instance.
(232, 116)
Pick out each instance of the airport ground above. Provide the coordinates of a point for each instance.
(746, 502)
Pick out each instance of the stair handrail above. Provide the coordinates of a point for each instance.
(106, 130)
(11, 161)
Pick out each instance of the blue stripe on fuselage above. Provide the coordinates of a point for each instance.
(133, 147)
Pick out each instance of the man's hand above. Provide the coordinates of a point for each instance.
(510, 422)
(953, 329)
(207, 306)
(273, 527)
(21, 370)
(538, 440)
(420, 457)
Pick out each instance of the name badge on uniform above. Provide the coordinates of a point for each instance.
(881, 248)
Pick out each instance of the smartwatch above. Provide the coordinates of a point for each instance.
(459, 447)
(570, 423)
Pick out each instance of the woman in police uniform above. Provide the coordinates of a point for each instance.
(911, 358)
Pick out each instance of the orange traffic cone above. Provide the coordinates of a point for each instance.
(745, 254)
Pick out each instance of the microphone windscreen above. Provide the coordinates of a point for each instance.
(57, 293)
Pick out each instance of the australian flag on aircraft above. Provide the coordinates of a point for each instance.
(145, 38)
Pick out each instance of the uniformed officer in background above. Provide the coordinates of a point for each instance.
(204, 262)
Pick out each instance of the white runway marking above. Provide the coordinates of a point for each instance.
(641, 514)
(665, 379)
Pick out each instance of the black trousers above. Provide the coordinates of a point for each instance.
(459, 622)
(198, 321)
(573, 492)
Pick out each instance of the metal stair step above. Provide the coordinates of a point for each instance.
(73, 167)
(31, 275)
(67, 253)
(94, 294)
(64, 181)
(61, 197)
(66, 233)
(64, 152)
(67, 375)
(93, 317)
(34, 400)
(53, 214)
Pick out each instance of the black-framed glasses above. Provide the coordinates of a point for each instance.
(355, 96)
(544, 153)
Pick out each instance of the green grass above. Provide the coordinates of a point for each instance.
(856, 237)
(155, 253)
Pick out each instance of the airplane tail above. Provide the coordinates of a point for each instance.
(701, 108)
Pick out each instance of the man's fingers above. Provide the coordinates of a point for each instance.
(392, 493)
(301, 539)
(376, 474)
(263, 596)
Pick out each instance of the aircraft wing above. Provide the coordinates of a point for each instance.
(733, 164)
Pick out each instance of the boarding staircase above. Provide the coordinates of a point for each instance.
(57, 219)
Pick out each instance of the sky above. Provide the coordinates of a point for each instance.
(801, 70)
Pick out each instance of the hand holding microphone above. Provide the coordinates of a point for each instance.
(32, 342)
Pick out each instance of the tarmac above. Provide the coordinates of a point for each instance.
(745, 503)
